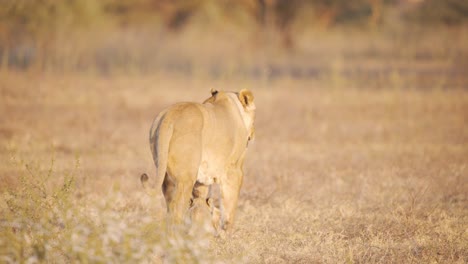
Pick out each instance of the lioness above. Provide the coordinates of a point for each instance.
(195, 145)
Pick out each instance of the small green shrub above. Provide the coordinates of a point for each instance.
(44, 220)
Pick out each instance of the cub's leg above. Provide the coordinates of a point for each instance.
(203, 213)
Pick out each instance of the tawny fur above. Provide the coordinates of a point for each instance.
(196, 145)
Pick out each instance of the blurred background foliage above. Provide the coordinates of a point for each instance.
(85, 34)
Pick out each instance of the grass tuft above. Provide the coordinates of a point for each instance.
(44, 220)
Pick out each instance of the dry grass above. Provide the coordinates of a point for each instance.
(338, 173)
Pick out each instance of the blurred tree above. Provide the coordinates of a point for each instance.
(36, 23)
(448, 12)
(32, 29)
(174, 14)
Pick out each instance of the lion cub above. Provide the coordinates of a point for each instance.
(200, 212)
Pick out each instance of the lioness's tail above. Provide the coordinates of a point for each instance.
(160, 136)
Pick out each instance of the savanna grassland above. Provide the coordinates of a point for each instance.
(360, 154)
(334, 175)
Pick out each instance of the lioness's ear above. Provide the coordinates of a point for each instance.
(213, 92)
(246, 97)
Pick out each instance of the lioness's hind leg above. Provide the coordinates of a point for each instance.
(180, 202)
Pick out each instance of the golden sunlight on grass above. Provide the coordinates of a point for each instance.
(335, 175)
(361, 130)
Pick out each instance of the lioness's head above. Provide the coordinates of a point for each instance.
(244, 101)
